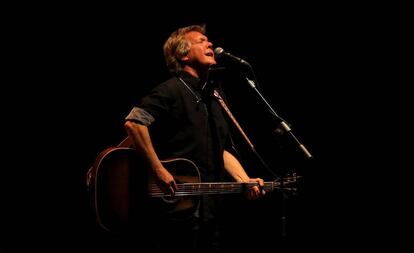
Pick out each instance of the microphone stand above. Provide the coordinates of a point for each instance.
(283, 123)
(286, 129)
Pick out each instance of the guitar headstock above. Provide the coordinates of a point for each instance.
(291, 178)
(288, 182)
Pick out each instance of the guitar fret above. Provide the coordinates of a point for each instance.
(218, 188)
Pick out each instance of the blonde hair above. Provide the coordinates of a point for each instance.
(177, 46)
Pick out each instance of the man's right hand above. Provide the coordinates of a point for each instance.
(165, 181)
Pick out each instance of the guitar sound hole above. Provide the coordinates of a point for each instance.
(170, 199)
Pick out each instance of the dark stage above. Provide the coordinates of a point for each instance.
(96, 67)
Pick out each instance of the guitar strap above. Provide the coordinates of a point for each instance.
(220, 99)
(127, 142)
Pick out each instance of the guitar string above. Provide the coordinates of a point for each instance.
(206, 188)
(196, 191)
(222, 186)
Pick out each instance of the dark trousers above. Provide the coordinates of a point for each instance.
(192, 236)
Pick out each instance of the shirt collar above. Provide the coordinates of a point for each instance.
(195, 82)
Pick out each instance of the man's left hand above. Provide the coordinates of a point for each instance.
(256, 192)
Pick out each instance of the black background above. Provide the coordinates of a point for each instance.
(82, 69)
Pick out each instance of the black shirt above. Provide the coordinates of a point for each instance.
(188, 122)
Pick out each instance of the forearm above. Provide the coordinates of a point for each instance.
(140, 137)
(234, 168)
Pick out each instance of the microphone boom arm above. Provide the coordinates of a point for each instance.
(283, 123)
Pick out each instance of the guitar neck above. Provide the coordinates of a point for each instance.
(191, 189)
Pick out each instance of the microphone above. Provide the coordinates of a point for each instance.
(219, 52)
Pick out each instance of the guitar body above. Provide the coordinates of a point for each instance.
(123, 194)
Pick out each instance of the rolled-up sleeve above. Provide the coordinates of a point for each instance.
(140, 116)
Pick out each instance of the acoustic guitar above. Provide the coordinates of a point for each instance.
(122, 190)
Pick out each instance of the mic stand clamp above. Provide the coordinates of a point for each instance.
(283, 123)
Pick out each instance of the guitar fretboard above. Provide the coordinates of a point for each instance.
(189, 189)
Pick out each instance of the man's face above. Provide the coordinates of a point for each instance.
(201, 51)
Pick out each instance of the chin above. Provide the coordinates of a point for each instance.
(212, 62)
